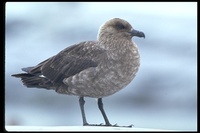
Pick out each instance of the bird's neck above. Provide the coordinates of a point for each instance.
(119, 49)
(117, 44)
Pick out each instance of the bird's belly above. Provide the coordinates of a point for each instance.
(100, 82)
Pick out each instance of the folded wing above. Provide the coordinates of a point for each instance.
(68, 62)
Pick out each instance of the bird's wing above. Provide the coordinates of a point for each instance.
(68, 62)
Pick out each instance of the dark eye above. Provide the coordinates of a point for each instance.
(120, 26)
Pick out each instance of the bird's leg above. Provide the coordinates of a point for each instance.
(82, 102)
(100, 105)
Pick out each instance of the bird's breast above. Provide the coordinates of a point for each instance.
(124, 68)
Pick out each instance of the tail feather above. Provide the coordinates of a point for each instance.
(27, 69)
(21, 75)
(34, 81)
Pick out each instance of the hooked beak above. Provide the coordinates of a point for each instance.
(137, 33)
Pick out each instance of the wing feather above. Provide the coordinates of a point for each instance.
(69, 62)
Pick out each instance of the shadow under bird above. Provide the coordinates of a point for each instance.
(93, 69)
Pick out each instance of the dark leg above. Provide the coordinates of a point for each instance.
(100, 105)
(82, 102)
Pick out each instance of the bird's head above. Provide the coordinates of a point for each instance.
(118, 28)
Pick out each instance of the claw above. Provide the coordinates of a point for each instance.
(110, 125)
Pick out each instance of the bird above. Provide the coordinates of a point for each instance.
(94, 69)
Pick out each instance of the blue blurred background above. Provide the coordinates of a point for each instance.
(163, 95)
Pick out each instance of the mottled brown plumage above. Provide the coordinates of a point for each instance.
(92, 68)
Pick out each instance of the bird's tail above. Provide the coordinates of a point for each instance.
(34, 81)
